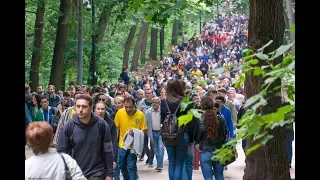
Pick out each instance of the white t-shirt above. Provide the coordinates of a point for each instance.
(51, 166)
(199, 51)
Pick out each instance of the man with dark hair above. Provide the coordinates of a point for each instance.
(95, 158)
(125, 75)
(128, 118)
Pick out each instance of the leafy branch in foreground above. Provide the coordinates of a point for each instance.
(254, 124)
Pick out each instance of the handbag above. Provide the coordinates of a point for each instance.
(68, 175)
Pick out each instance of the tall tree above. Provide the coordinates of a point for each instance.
(138, 46)
(127, 45)
(36, 54)
(144, 45)
(175, 32)
(291, 22)
(99, 36)
(60, 44)
(266, 23)
(153, 44)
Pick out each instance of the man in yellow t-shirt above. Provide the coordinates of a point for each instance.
(126, 119)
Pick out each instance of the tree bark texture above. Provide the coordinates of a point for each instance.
(266, 23)
(144, 45)
(138, 46)
(60, 45)
(36, 54)
(153, 44)
(161, 42)
(291, 22)
(127, 45)
(175, 29)
(99, 36)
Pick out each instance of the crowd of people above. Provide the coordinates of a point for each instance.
(102, 131)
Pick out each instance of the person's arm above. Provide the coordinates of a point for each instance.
(230, 124)
(75, 170)
(108, 153)
(64, 144)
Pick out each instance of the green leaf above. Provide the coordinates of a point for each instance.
(270, 79)
(185, 119)
(266, 139)
(266, 45)
(254, 61)
(282, 49)
(262, 56)
(292, 28)
(252, 100)
(184, 104)
(196, 113)
(257, 71)
(248, 151)
(288, 59)
(217, 71)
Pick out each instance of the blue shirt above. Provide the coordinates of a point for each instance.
(226, 114)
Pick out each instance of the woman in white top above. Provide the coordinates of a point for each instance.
(46, 163)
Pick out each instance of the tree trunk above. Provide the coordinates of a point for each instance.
(64, 77)
(127, 45)
(286, 23)
(154, 43)
(138, 46)
(180, 27)
(99, 36)
(144, 45)
(161, 42)
(266, 22)
(175, 29)
(36, 54)
(291, 22)
(60, 45)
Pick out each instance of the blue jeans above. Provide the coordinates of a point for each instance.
(177, 155)
(207, 164)
(126, 161)
(289, 140)
(244, 143)
(188, 164)
(158, 148)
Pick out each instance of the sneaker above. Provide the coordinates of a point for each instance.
(225, 168)
(141, 159)
(150, 165)
(159, 169)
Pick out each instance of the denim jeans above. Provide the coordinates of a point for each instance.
(158, 148)
(147, 151)
(289, 139)
(207, 164)
(127, 162)
(177, 155)
(244, 143)
(188, 164)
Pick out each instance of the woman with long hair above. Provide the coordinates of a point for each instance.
(211, 136)
(46, 162)
(177, 153)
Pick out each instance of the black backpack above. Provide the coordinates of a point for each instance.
(69, 130)
(171, 133)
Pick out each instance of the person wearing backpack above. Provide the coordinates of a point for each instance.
(86, 138)
(176, 139)
(211, 136)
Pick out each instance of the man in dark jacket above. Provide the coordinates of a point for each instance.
(125, 75)
(94, 157)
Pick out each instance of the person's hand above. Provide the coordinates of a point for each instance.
(197, 146)
(109, 178)
(142, 108)
(131, 132)
(55, 125)
(114, 165)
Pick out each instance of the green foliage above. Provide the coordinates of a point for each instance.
(253, 123)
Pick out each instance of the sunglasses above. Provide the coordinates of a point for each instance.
(102, 99)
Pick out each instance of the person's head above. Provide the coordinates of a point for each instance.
(213, 94)
(72, 91)
(174, 90)
(198, 89)
(83, 104)
(210, 87)
(130, 87)
(230, 94)
(130, 105)
(100, 109)
(196, 98)
(105, 84)
(118, 102)
(202, 93)
(44, 102)
(163, 94)
(156, 103)
(51, 89)
(148, 94)
(122, 88)
(39, 136)
(146, 86)
(210, 118)
(220, 100)
(36, 99)
(222, 92)
(39, 89)
(66, 98)
(140, 94)
(27, 88)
